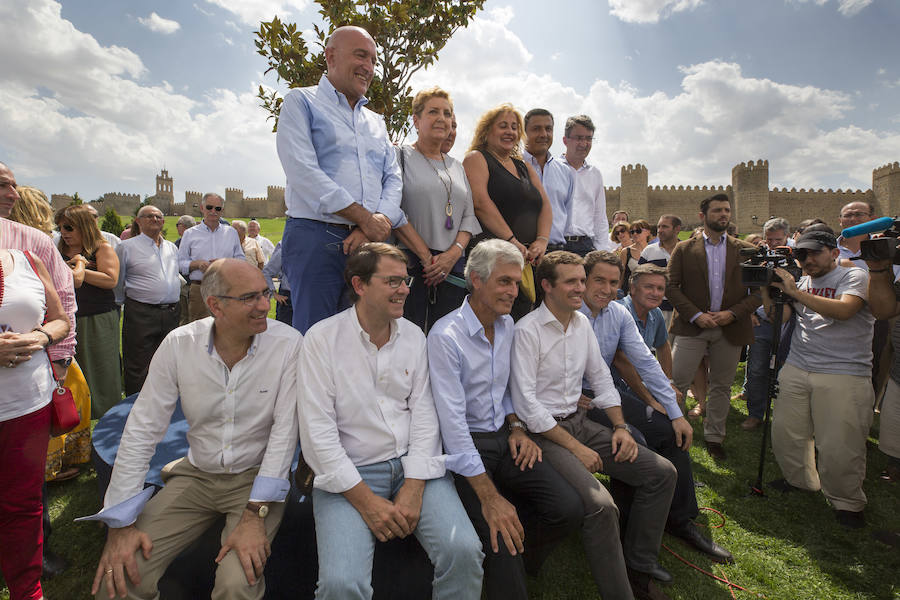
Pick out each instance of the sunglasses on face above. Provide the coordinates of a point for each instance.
(67, 228)
(215, 208)
(636, 231)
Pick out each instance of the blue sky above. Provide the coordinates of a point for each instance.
(98, 96)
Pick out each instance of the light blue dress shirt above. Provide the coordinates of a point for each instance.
(202, 243)
(273, 269)
(148, 273)
(334, 155)
(654, 331)
(715, 262)
(469, 379)
(615, 328)
(559, 183)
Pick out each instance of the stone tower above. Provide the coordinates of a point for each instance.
(886, 186)
(165, 192)
(750, 185)
(634, 195)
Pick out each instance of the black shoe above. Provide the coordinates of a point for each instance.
(716, 450)
(784, 487)
(850, 519)
(690, 534)
(644, 588)
(657, 572)
(52, 564)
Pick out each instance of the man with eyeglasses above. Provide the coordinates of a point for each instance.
(201, 245)
(235, 374)
(825, 398)
(343, 178)
(369, 431)
(150, 284)
(587, 228)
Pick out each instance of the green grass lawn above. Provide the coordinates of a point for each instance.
(787, 546)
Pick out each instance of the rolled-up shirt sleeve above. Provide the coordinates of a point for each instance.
(523, 381)
(636, 351)
(450, 402)
(320, 441)
(271, 483)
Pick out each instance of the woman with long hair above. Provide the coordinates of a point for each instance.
(509, 200)
(437, 202)
(95, 269)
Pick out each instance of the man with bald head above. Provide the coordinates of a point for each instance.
(151, 286)
(235, 375)
(343, 179)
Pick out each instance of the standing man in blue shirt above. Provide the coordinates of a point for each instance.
(558, 180)
(648, 398)
(343, 179)
(486, 443)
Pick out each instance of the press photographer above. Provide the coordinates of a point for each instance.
(885, 305)
(825, 398)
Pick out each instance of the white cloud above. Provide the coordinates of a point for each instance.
(718, 118)
(69, 97)
(848, 8)
(649, 11)
(252, 12)
(158, 24)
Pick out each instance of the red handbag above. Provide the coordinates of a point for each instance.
(64, 415)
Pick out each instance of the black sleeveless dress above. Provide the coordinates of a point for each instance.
(518, 201)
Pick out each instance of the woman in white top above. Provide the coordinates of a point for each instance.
(26, 298)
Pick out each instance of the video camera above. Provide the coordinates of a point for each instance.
(882, 248)
(759, 267)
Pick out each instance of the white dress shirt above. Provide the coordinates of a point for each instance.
(202, 243)
(548, 364)
(588, 216)
(266, 245)
(361, 405)
(237, 419)
(148, 273)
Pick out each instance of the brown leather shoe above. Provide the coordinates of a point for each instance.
(751, 423)
(716, 450)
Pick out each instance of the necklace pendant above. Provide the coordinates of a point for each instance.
(449, 223)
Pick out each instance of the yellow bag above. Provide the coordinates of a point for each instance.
(527, 284)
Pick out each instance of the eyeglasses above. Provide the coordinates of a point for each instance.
(850, 215)
(67, 228)
(394, 281)
(582, 138)
(215, 208)
(252, 298)
(635, 231)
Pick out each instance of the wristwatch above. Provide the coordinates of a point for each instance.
(517, 425)
(258, 508)
(624, 426)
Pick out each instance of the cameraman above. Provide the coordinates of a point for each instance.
(825, 398)
(756, 378)
(885, 305)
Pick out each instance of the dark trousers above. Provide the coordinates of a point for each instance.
(143, 328)
(660, 437)
(548, 507)
(284, 312)
(426, 304)
(581, 247)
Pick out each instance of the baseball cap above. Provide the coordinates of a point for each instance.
(816, 240)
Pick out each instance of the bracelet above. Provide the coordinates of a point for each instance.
(42, 330)
(879, 270)
(543, 237)
(460, 246)
(511, 238)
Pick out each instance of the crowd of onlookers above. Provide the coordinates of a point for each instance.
(541, 342)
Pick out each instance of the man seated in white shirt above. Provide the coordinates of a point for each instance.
(486, 443)
(369, 430)
(265, 243)
(151, 286)
(235, 374)
(554, 348)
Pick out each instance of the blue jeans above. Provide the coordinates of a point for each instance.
(346, 545)
(313, 262)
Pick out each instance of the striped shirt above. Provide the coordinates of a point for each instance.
(16, 236)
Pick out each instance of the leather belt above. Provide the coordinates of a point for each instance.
(576, 238)
(169, 306)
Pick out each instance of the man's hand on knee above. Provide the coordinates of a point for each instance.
(118, 559)
(382, 516)
(502, 519)
(250, 543)
(684, 433)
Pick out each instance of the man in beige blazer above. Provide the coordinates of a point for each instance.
(712, 313)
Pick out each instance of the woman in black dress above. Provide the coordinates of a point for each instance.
(509, 200)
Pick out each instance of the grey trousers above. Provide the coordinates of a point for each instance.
(653, 478)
